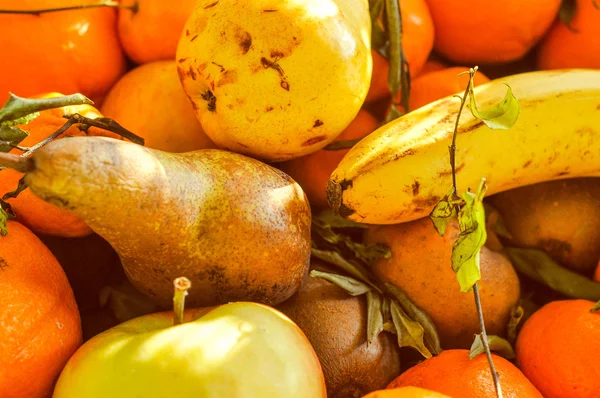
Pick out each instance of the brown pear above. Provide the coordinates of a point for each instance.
(336, 326)
(238, 228)
(560, 217)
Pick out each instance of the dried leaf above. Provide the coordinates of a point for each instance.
(596, 307)
(11, 134)
(568, 9)
(352, 269)
(350, 285)
(498, 117)
(17, 107)
(374, 316)
(444, 211)
(495, 221)
(497, 344)
(537, 265)
(432, 339)
(516, 315)
(22, 185)
(410, 333)
(466, 249)
(328, 219)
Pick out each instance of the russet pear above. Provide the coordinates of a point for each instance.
(238, 228)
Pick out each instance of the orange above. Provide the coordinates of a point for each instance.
(439, 84)
(66, 51)
(152, 32)
(313, 171)
(40, 216)
(454, 374)
(432, 65)
(483, 31)
(558, 349)
(405, 392)
(420, 265)
(563, 48)
(39, 322)
(150, 102)
(417, 41)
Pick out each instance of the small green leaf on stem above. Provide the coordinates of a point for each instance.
(17, 107)
(444, 211)
(432, 339)
(466, 249)
(11, 134)
(22, 185)
(6, 214)
(379, 40)
(497, 344)
(516, 315)
(499, 117)
(374, 316)
(410, 333)
(350, 285)
(537, 265)
(22, 120)
(596, 307)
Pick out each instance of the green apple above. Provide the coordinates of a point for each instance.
(233, 350)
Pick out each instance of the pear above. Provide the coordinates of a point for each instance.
(237, 228)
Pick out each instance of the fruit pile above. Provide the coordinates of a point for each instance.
(318, 198)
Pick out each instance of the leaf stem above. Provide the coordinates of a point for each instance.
(181, 285)
(484, 340)
(108, 3)
(452, 150)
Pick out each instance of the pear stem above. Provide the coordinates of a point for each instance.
(182, 285)
(16, 162)
(108, 3)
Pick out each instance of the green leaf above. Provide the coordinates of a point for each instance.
(466, 249)
(499, 117)
(596, 307)
(432, 339)
(369, 253)
(516, 315)
(444, 211)
(4, 217)
(334, 258)
(17, 107)
(410, 333)
(374, 316)
(350, 285)
(537, 265)
(497, 344)
(22, 120)
(22, 185)
(11, 134)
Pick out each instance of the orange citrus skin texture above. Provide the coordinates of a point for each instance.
(150, 102)
(562, 48)
(67, 51)
(313, 171)
(417, 42)
(406, 392)
(558, 349)
(152, 33)
(454, 374)
(438, 84)
(482, 31)
(39, 216)
(40, 326)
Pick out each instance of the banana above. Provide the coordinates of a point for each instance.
(400, 171)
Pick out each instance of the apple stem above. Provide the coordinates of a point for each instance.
(182, 285)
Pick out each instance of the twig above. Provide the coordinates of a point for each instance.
(16, 162)
(106, 124)
(48, 139)
(114, 4)
(484, 340)
(452, 150)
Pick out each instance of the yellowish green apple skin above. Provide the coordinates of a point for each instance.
(233, 350)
